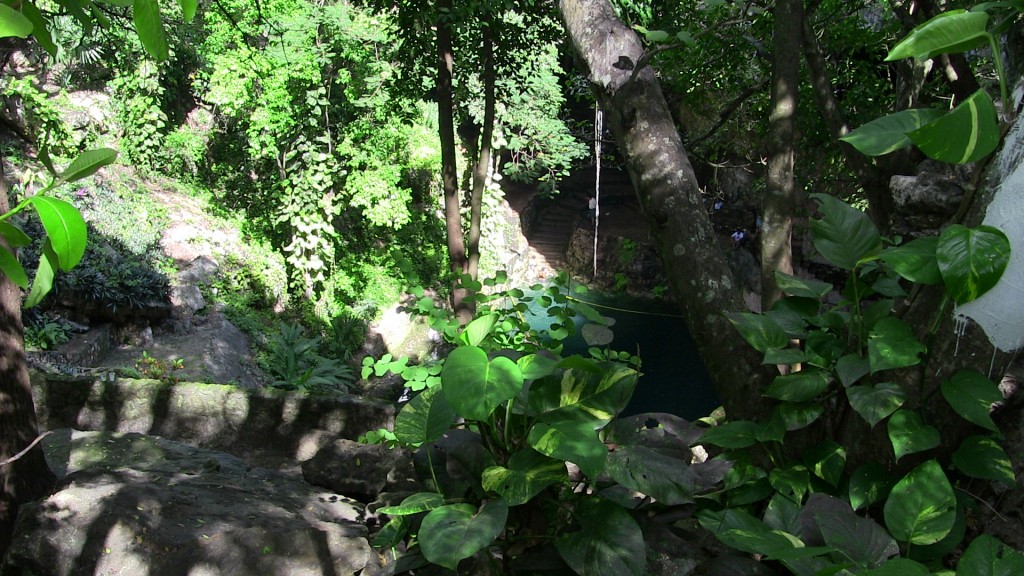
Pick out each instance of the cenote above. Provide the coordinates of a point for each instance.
(673, 376)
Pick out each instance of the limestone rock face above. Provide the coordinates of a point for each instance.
(360, 471)
(133, 504)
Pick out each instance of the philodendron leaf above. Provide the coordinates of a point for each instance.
(966, 134)
(478, 329)
(851, 368)
(43, 281)
(870, 483)
(982, 457)
(804, 287)
(425, 418)
(150, 28)
(414, 504)
(898, 567)
(588, 391)
(921, 508)
(909, 435)
(987, 556)
(915, 260)
(475, 386)
(455, 532)
(569, 439)
(844, 235)
(799, 386)
(875, 402)
(536, 366)
(891, 344)
(889, 133)
(759, 330)
(731, 435)
(87, 163)
(972, 395)
(971, 260)
(13, 23)
(528, 473)
(13, 269)
(861, 540)
(953, 31)
(65, 229)
(609, 542)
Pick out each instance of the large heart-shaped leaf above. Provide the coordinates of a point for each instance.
(889, 133)
(587, 391)
(13, 23)
(609, 542)
(414, 504)
(799, 386)
(870, 483)
(971, 260)
(731, 435)
(967, 133)
(759, 330)
(898, 567)
(569, 439)
(65, 229)
(478, 329)
(891, 344)
(915, 260)
(953, 31)
(475, 386)
(851, 367)
(528, 473)
(875, 402)
(860, 540)
(452, 533)
(844, 235)
(425, 418)
(972, 396)
(801, 287)
(982, 457)
(799, 415)
(921, 508)
(909, 434)
(150, 28)
(987, 556)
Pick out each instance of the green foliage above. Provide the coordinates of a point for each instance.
(45, 333)
(294, 363)
(166, 371)
(42, 116)
(137, 98)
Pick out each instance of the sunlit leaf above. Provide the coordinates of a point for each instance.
(150, 28)
(891, 344)
(13, 23)
(982, 457)
(454, 532)
(414, 504)
(13, 269)
(569, 440)
(39, 27)
(915, 260)
(909, 434)
(43, 280)
(875, 402)
(972, 396)
(87, 163)
(889, 133)
(966, 134)
(952, 31)
(987, 556)
(972, 260)
(65, 229)
(425, 418)
(844, 235)
(475, 386)
(921, 508)
(528, 473)
(188, 9)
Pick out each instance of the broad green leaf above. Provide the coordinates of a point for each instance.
(87, 163)
(800, 386)
(826, 461)
(966, 134)
(121, 3)
(731, 435)
(455, 532)
(875, 402)
(921, 508)
(609, 542)
(773, 544)
(65, 229)
(953, 31)
(891, 344)
(760, 331)
(39, 29)
(909, 434)
(987, 556)
(13, 23)
(915, 260)
(889, 133)
(150, 28)
(537, 366)
(783, 514)
(851, 368)
(786, 356)
(870, 483)
(478, 329)
(898, 567)
(982, 457)
(655, 36)
(793, 313)
(589, 391)
(425, 418)
(475, 386)
(570, 440)
(13, 269)
(588, 312)
(720, 521)
(858, 539)
(844, 235)
(528, 473)
(686, 38)
(799, 415)
(803, 287)
(971, 260)
(972, 395)
(414, 504)
(793, 481)
(43, 281)
(188, 9)
(392, 534)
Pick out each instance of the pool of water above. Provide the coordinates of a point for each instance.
(674, 378)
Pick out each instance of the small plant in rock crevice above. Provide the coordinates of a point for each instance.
(166, 371)
(293, 363)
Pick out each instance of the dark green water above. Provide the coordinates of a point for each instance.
(674, 378)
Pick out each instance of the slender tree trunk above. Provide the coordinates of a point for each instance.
(663, 178)
(446, 130)
(483, 162)
(780, 201)
(29, 477)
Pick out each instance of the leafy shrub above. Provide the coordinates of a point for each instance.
(126, 216)
(43, 332)
(294, 363)
(42, 116)
(168, 372)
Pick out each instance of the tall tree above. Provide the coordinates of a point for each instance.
(780, 200)
(608, 51)
(481, 170)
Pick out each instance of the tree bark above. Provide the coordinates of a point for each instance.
(781, 198)
(483, 161)
(461, 303)
(29, 477)
(692, 258)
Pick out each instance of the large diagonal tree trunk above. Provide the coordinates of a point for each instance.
(665, 184)
(28, 477)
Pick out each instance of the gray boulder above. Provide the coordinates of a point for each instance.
(134, 504)
(360, 471)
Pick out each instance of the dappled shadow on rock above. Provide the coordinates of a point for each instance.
(135, 504)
